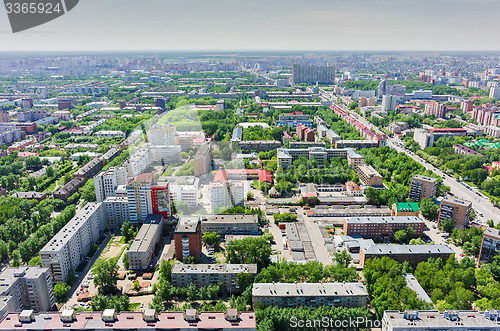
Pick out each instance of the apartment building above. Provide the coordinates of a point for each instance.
(356, 144)
(69, 188)
(203, 275)
(304, 133)
(352, 189)
(148, 320)
(423, 187)
(414, 254)
(455, 209)
(71, 245)
(405, 209)
(382, 227)
(187, 194)
(424, 138)
(161, 134)
(29, 288)
(138, 162)
(450, 320)
(187, 237)
(226, 194)
(437, 109)
(259, 145)
(134, 194)
(310, 295)
(116, 210)
(231, 224)
(463, 150)
(286, 156)
(107, 181)
(490, 245)
(110, 134)
(142, 249)
(164, 154)
(302, 73)
(369, 176)
(203, 160)
(90, 169)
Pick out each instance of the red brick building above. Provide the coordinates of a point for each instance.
(187, 238)
(382, 227)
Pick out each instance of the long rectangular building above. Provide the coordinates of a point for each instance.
(70, 246)
(286, 156)
(312, 295)
(210, 274)
(126, 321)
(141, 251)
(433, 320)
(231, 224)
(382, 227)
(414, 254)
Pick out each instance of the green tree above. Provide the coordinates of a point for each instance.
(250, 196)
(400, 236)
(448, 225)
(249, 250)
(127, 230)
(211, 238)
(60, 292)
(428, 209)
(125, 261)
(106, 276)
(136, 286)
(16, 259)
(36, 261)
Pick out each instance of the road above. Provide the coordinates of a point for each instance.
(480, 203)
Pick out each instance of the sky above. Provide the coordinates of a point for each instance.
(166, 25)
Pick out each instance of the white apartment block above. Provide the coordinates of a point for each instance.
(161, 134)
(116, 209)
(164, 154)
(226, 194)
(110, 134)
(107, 181)
(29, 288)
(493, 131)
(138, 162)
(184, 194)
(495, 93)
(424, 138)
(70, 246)
(142, 249)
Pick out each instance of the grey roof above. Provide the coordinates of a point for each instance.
(232, 218)
(144, 237)
(309, 289)
(383, 220)
(493, 233)
(408, 249)
(425, 178)
(214, 268)
(414, 285)
(435, 320)
(188, 224)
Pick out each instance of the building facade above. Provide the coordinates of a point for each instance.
(423, 187)
(187, 237)
(457, 210)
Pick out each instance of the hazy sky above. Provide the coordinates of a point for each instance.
(264, 25)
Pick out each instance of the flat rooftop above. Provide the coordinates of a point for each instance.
(425, 178)
(435, 320)
(10, 275)
(130, 320)
(309, 289)
(234, 218)
(408, 249)
(188, 224)
(414, 285)
(385, 220)
(214, 268)
(144, 238)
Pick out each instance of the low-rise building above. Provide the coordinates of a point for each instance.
(30, 195)
(110, 134)
(463, 150)
(450, 320)
(259, 145)
(382, 227)
(203, 275)
(148, 320)
(414, 254)
(142, 249)
(311, 295)
(369, 176)
(231, 224)
(405, 209)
